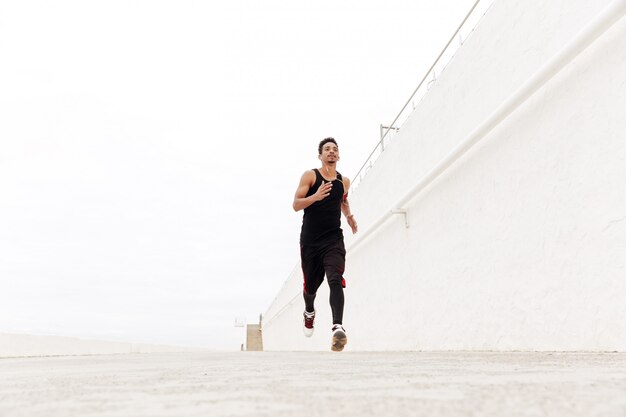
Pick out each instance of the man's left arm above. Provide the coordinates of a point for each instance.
(345, 206)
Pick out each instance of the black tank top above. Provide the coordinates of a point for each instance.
(321, 223)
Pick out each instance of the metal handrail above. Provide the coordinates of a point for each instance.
(357, 177)
(602, 22)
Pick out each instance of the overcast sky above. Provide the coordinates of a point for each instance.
(150, 150)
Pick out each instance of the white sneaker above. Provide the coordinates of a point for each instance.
(339, 338)
(307, 324)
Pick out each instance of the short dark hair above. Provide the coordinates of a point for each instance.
(324, 142)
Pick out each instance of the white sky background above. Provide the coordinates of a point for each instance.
(150, 150)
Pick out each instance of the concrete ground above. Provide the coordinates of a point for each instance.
(315, 384)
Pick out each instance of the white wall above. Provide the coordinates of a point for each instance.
(521, 244)
(22, 345)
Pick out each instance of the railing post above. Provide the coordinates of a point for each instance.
(405, 212)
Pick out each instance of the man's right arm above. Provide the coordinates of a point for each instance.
(301, 201)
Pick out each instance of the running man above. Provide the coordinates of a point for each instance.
(323, 194)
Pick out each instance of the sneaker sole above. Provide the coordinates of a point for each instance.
(339, 341)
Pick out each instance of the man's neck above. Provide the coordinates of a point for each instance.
(329, 171)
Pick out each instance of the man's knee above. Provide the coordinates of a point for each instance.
(336, 281)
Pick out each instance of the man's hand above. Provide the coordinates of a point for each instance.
(352, 223)
(323, 191)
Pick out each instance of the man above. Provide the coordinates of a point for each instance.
(323, 194)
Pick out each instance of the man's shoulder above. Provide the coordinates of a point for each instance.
(309, 173)
(309, 176)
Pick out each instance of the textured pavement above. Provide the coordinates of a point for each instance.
(316, 384)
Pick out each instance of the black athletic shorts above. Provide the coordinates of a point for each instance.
(317, 261)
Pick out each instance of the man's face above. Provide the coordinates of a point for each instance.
(330, 153)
